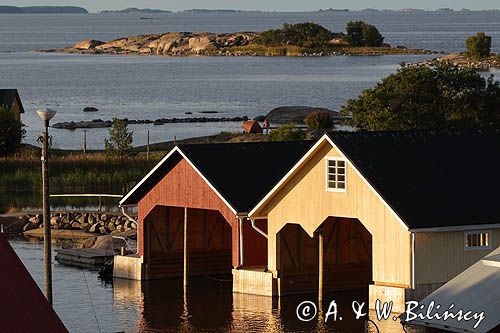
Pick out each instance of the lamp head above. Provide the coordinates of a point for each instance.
(46, 114)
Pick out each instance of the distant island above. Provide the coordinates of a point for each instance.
(334, 10)
(133, 10)
(202, 10)
(43, 10)
(300, 39)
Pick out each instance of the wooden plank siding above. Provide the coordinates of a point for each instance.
(183, 187)
(303, 200)
(440, 256)
(254, 244)
(347, 261)
(209, 242)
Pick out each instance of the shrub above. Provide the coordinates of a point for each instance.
(11, 132)
(319, 120)
(120, 139)
(478, 46)
(360, 33)
(287, 133)
(309, 35)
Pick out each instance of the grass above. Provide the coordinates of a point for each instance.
(74, 172)
(95, 171)
(70, 171)
(294, 50)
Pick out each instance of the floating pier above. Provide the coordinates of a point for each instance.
(87, 258)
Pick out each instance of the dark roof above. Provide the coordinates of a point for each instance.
(8, 96)
(24, 308)
(243, 173)
(431, 178)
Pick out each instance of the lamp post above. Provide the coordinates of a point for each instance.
(46, 115)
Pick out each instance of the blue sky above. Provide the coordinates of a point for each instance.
(279, 5)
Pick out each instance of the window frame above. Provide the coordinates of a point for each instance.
(327, 173)
(475, 232)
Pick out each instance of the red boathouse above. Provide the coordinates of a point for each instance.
(199, 196)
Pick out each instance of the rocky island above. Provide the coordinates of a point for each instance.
(313, 40)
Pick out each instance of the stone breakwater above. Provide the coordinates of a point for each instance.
(99, 123)
(95, 223)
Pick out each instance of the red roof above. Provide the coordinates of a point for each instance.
(252, 127)
(23, 307)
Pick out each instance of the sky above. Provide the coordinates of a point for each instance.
(272, 5)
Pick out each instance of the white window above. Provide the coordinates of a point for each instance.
(478, 240)
(335, 175)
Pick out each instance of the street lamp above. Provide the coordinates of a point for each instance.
(46, 115)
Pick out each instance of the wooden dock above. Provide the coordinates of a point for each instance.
(60, 234)
(88, 258)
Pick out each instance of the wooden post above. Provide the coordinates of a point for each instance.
(147, 148)
(186, 270)
(241, 241)
(320, 265)
(84, 141)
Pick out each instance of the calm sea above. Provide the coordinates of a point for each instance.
(157, 87)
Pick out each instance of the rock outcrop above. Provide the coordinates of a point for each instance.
(170, 43)
(295, 114)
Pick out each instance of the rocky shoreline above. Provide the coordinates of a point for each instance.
(213, 44)
(493, 62)
(99, 123)
(94, 223)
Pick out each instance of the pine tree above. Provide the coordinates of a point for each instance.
(120, 139)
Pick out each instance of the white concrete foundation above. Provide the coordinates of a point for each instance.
(254, 282)
(128, 267)
(387, 294)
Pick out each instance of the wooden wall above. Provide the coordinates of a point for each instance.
(254, 244)
(209, 242)
(440, 256)
(183, 187)
(16, 109)
(347, 257)
(304, 200)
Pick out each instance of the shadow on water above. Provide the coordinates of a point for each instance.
(84, 302)
(210, 306)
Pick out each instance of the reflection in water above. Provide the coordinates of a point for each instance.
(162, 306)
(210, 306)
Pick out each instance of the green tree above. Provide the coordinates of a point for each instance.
(423, 97)
(371, 36)
(287, 133)
(120, 139)
(360, 33)
(11, 132)
(478, 46)
(319, 120)
(355, 32)
(308, 34)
